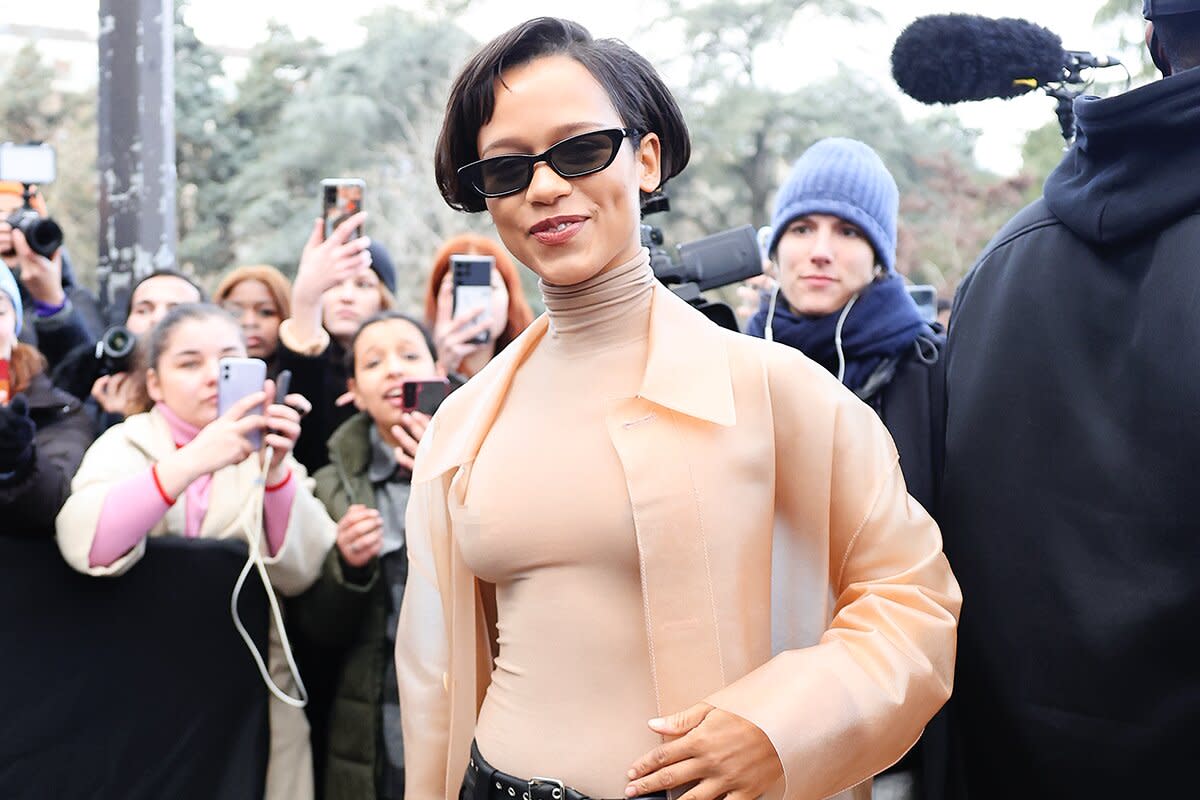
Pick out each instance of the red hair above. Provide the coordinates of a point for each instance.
(26, 363)
(519, 312)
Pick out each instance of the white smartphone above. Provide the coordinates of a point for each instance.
(473, 287)
(237, 378)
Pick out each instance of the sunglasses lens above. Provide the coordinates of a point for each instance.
(583, 154)
(502, 175)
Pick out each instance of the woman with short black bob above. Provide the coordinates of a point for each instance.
(645, 553)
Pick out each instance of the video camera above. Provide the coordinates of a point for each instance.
(30, 164)
(714, 261)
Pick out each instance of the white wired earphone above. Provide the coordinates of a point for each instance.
(253, 517)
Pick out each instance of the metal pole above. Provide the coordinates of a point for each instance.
(136, 120)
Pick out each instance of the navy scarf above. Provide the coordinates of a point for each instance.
(882, 324)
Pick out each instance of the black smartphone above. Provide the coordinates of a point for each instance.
(473, 287)
(425, 396)
(341, 198)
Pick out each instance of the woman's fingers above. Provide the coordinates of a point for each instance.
(676, 773)
(405, 439)
(343, 231)
(681, 722)
(243, 406)
(300, 403)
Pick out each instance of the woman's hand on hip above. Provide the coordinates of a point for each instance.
(722, 753)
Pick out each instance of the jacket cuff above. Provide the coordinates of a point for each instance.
(288, 338)
(51, 317)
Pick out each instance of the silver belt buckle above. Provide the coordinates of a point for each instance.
(558, 792)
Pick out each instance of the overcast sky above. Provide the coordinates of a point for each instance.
(811, 50)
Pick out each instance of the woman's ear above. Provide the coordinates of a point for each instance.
(649, 155)
(352, 390)
(153, 385)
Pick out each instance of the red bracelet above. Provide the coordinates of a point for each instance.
(158, 485)
(282, 483)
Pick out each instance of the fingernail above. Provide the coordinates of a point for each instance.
(631, 792)
(631, 774)
(657, 722)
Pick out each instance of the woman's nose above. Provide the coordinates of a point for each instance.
(546, 185)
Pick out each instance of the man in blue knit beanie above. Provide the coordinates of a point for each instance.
(843, 178)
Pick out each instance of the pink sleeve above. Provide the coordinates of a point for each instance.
(130, 510)
(277, 510)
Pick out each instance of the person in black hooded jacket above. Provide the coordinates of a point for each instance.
(43, 432)
(1072, 450)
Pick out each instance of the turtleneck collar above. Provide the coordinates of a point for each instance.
(609, 309)
(182, 432)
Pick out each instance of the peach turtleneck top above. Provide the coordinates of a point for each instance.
(572, 691)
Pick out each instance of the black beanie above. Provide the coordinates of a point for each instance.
(381, 262)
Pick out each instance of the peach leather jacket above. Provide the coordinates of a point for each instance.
(788, 577)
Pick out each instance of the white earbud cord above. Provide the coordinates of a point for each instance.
(837, 338)
(769, 334)
(254, 529)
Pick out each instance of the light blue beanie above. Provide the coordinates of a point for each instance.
(8, 285)
(844, 178)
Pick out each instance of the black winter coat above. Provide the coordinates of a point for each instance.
(322, 380)
(31, 500)
(1072, 452)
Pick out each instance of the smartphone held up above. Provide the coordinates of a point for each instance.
(238, 378)
(472, 277)
(341, 198)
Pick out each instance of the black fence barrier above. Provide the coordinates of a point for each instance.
(130, 687)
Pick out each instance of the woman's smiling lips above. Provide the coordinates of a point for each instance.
(557, 230)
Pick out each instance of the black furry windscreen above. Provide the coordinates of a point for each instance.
(950, 58)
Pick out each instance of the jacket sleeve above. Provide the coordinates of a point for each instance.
(31, 504)
(853, 704)
(61, 333)
(107, 462)
(309, 537)
(422, 648)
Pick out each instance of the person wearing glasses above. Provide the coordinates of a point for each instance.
(645, 553)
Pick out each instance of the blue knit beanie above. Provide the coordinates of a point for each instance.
(843, 178)
(8, 285)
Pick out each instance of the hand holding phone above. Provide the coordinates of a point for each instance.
(425, 395)
(473, 289)
(238, 378)
(341, 198)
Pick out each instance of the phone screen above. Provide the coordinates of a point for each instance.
(425, 396)
(341, 198)
(473, 287)
(237, 378)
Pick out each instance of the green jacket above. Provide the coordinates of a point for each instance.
(350, 617)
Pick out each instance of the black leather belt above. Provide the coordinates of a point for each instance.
(485, 782)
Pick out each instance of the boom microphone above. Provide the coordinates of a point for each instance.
(951, 58)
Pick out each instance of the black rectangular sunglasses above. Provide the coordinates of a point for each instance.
(573, 157)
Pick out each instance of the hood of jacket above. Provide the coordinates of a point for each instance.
(1132, 168)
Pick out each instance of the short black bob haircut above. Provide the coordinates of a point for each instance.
(639, 95)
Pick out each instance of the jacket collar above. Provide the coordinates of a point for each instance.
(686, 372)
(350, 444)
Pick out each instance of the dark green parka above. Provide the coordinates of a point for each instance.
(345, 617)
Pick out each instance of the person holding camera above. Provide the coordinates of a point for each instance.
(646, 554)
(43, 431)
(341, 281)
(260, 297)
(59, 316)
(460, 354)
(183, 470)
(348, 618)
(106, 374)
